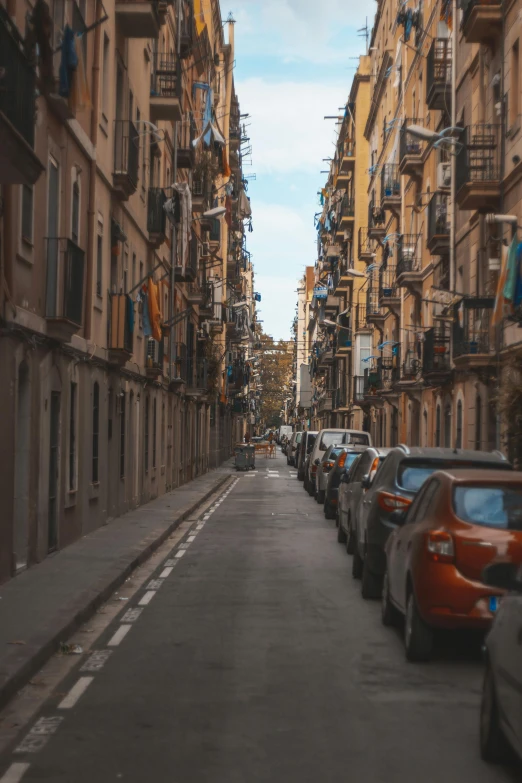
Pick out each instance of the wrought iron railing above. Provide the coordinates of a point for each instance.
(376, 215)
(436, 356)
(438, 217)
(409, 144)
(438, 65)
(65, 273)
(17, 80)
(409, 250)
(479, 158)
(387, 281)
(156, 215)
(366, 243)
(126, 150)
(165, 77)
(472, 328)
(390, 181)
(347, 207)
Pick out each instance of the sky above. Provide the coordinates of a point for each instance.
(295, 61)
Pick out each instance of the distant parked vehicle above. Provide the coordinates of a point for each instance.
(341, 468)
(397, 482)
(500, 711)
(330, 437)
(352, 491)
(294, 441)
(458, 523)
(306, 447)
(324, 468)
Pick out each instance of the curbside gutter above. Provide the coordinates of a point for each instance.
(21, 664)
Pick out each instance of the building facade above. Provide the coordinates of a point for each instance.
(124, 360)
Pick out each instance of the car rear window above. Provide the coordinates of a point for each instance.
(356, 439)
(350, 459)
(310, 443)
(413, 473)
(334, 453)
(330, 439)
(491, 506)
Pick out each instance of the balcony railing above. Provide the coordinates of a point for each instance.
(154, 353)
(438, 222)
(344, 340)
(479, 165)
(180, 361)
(165, 87)
(120, 336)
(373, 308)
(390, 182)
(436, 358)
(65, 266)
(438, 74)
(347, 207)
(359, 316)
(472, 332)
(215, 231)
(387, 282)
(411, 148)
(156, 215)
(409, 253)
(197, 373)
(126, 157)
(376, 218)
(366, 244)
(187, 134)
(187, 31)
(17, 82)
(359, 388)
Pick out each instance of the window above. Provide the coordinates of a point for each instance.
(458, 442)
(163, 434)
(437, 426)
(99, 263)
(72, 437)
(27, 213)
(154, 435)
(478, 423)
(447, 426)
(122, 435)
(133, 271)
(105, 75)
(95, 432)
(75, 220)
(514, 86)
(146, 434)
(491, 506)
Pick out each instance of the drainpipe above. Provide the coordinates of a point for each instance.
(173, 248)
(453, 193)
(8, 195)
(91, 223)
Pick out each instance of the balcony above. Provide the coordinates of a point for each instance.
(197, 376)
(120, 339)
(186, 38)
(359, 317)
(345, 217)
(409, 261)
(388, 369)
(436, 356)
(200, 194)
(340, 400)
(165, 88)
(180, 363)
(331, 305)
(325, 402)
(341, 278)
(473, 340)
(438, 224)
(186, 135)
(214, 236)
(438, 75)
(479, 168)
(344, 342)
(375, 314)
(156, 216)
(188, 273)
(390, 186)
(325, 355)
(154, 358)
(235, 134)
(411, 150)
(64, 291)
(376, 221)
(359, 389)
(347, 157)
(126, 158)
(19, 165)
(366, 245)
(138, 18)
(411, 368)
(481, 20)
(388, 291)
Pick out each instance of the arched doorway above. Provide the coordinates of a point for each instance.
(22, 472)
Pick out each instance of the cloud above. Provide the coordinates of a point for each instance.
(284, 240)
(288, 129)
(277, 306)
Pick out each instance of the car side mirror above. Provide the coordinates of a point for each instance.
(317, 461)
(398, 517)
(366, 482)
(503, 575)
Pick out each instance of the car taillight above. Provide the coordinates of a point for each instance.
(373, 469)
(342, 460)
(440, 546)
(390, 502)
(327, 466)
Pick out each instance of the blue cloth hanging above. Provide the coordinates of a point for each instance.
(517, 299)
(147, 328)
(68, 62)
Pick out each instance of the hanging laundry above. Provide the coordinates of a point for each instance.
(226, 168)
(80, 97)
(517, 300)
(185, 196)
(446, 13)
(68, 62)
(154, 310)
(245, 210)
(511, 272)
(147, 329)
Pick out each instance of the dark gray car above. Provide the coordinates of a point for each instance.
(396, 483)
(351, 493)
(342, 468)
(305, 447)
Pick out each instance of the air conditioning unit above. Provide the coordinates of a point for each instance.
(152, 351)
(444, 175)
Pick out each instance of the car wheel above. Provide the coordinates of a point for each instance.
(319, 496)
(310, 489)
(388, 611)
(493, 744)
(371, 585)
(350, 543)
(357, 564)
(418, 637)
(337, 522)
(341, 535)
(328, 510)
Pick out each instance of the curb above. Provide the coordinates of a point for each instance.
(38, 651)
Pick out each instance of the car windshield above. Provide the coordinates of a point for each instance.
(310, 443)
(491, 506)
(356, 439)
(330, 439)
(413, 473)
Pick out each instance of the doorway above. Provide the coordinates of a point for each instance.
(54, 435)
(21, 465)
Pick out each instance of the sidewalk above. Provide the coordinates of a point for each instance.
(44, 605)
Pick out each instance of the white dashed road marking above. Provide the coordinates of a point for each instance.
(15, 773)
(180, 553)
(76, 692)
(190, 539)
(119, 636)
(166, 572)
(147, 598)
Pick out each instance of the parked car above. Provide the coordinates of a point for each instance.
(284, 444)
(324, 468)
(290, 454)
(458, 523)
(341, 468)
(501, 706)
(306, 447)
(330, 437)
(397, 482)
(351, 493)
(307, 485)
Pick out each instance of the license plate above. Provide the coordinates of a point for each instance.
(493, 603)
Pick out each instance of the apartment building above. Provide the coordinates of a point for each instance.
(123, 203)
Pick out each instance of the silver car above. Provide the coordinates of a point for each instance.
(351, 492)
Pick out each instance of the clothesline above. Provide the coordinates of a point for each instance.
(87, 30)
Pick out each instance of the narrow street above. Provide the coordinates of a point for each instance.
(255, 659)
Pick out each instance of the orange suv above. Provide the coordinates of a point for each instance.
(459, 522)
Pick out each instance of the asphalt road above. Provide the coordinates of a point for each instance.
(255, 660)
